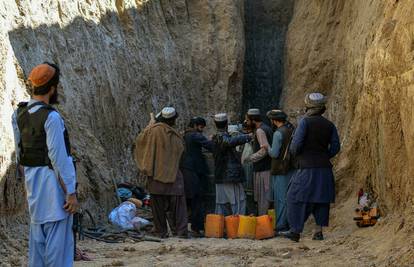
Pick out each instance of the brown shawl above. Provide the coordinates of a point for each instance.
(158, 152)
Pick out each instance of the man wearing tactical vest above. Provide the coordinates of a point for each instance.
(281, 170)
(260, 158)
(43, 155)
(312, 189)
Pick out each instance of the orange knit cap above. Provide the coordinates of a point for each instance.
(41, 75)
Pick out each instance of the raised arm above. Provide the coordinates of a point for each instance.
(204, 142)
(233, 141)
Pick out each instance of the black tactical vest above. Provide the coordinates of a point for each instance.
(281, 165)
(32, 144)
(265, 163)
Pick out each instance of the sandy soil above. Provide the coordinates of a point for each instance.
(389, 243)
(386, 244)
(222, 252)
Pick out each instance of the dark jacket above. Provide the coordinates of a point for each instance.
(265, 163)
(228, 167)
(315, 142)
(193, 158)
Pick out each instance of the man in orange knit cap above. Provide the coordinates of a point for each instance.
(43, 156)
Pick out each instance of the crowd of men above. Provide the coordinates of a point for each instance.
(291, 168)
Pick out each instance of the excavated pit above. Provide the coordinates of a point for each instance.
(123, 59)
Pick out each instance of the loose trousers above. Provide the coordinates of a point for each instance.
(262, 191)
(230, 194)
(280, 185)
(238, 208)
(197, 212)
(51, 244)
(298, 213)
(169, 208)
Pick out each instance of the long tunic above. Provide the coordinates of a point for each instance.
(193, 163)
(233, 194)
(45, 195)
(247, 166)
(51, 238)
(261, 180)
(279, 184)
(314, 185)
(170, 189)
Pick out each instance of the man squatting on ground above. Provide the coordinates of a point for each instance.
(43, 157)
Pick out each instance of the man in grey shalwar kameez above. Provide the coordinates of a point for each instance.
(260, 159)
(229, 176)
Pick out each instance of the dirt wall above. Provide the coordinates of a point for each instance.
(120, 60)
(360, 53)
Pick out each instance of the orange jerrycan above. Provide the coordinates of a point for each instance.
(264, 227)
(214, 226)
(272, 214)
(247, 227)
(232, 226)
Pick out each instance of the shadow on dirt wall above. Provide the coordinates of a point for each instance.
(85, 98)
(12, 191)
(96, 64)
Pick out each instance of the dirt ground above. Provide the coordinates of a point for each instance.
(222, 252)
(345, 245)
(389, 243)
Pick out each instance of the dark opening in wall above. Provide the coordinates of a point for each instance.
(266, 24)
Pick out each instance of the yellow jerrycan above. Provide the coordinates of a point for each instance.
(272, 214)
(247, 227)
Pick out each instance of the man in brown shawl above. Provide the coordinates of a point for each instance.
(158, 152)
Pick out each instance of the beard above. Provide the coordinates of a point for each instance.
(54, 98)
